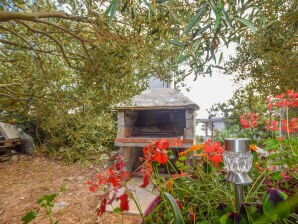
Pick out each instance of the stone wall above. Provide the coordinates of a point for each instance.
(190, 124)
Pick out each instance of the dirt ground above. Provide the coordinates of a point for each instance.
(24, 179)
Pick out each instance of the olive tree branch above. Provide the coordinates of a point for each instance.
(11, 97)
(10, 84)
(14, 92)
(66, 31)
(6, 16)
(49, 36)
(39, 50)
(38, 58)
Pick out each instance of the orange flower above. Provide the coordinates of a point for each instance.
(252, 147)
(202, 155)
(192, 148)
(169, 185)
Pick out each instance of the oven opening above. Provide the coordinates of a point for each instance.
(159, 123)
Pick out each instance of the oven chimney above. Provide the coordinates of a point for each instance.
(155, 82)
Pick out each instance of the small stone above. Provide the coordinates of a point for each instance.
(69, 178)
(14, 158)
(81, 178)
(59, 205)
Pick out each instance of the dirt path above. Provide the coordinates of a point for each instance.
(25, 179)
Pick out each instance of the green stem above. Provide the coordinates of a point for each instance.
(136, 201)
(160, 189)
(251, 134)
(145, 189)
(168, 171)
(49, 211)
(173, 167)
(288, 133)
(258, 181)
(138, 206)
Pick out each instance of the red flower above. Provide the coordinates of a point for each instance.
(192, 216)
(155, 152)
(273, 125)
(281, 96)
(269, 101)
(93, 188)
(113, 180)
(294, 98)
(213, 151)
(216, 159)
(290, 126)
(282, 101)
(90, 182)
(179, 203)
(175, 142)
(146, 179)
(182, 174)
(280, 139)
(161, 156)
(124, 202)
(249, 120)
(292, 94)
(162, 144)
(102, 181)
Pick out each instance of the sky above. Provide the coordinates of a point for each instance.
(218, 88)
(206, 91)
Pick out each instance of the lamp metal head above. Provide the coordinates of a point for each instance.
(237, 144)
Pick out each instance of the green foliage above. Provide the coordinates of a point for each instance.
(269, 202)
(285, 149)
(65, 73)
(195, 19)
(230, 132)
(271, 144)
(275, 208)
(175, 209)
(201, 193)
(29, 216)
(65, 90)
(247, 23)
(210, 199)
(46, 202)
(180, 163)
(111, 10)
(269, 58)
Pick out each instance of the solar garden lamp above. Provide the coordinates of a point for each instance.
(238, 161)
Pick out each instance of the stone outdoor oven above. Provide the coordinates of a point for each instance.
(154, 114)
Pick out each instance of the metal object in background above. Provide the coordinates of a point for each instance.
(238, 161)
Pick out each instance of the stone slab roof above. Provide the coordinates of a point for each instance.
(159, 98)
